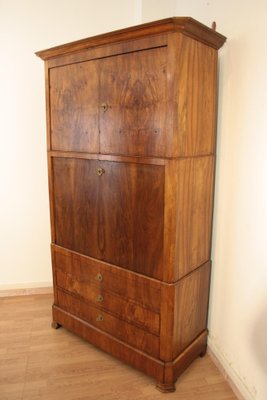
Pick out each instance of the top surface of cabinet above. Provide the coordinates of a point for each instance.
(188, 26)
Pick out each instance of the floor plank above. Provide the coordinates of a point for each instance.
(40, 363)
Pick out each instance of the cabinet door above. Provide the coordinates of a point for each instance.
(132, 213)
(116, 216)
(76, 205)
(74, 107)
(133, 89)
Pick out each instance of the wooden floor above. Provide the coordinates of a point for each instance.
(37, 362)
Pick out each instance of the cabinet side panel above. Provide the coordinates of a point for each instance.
(196, 93)
(170, 273)
(51, 196)
(174, 141)
(190, 310)
(47, 104)
(193, 213)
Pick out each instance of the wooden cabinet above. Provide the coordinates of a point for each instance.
(131, 119)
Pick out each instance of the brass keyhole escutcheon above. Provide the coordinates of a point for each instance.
(100, 318)
(100, 171)
(99, 277)
(99, 298)
(104, 107)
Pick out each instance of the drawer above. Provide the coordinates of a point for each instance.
(124, 309)
(122, 330)
(129, 285)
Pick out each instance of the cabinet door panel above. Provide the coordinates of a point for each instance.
(134, 88)
(74, 107)
(116, 217)
(76, 198)
(133, 212)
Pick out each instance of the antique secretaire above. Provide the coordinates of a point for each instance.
(131, 121)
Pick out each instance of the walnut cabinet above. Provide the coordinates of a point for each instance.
(131, 120)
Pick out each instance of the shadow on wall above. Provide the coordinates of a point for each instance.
(259, 338)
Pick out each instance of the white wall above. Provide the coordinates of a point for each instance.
(238, 304)
(25, 27)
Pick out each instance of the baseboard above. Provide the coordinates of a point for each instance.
(23, 289)
(234, 381)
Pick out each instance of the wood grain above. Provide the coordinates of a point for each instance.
(76, 202)
(133, 86)
(131, 142)
(74, 107)
(110, 157)
(194, 213)
(113, 49)
(109, 343)
(195, 91)
(131, 235)
(133, 230)
(184, 308)
(153, 109)
(167, 310)
(191, 299)
(115, 280)
(189, 184)
(119, 306)
(139, 338)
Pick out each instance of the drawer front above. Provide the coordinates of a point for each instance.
(141, 290)
(128, 333)
(124, 309)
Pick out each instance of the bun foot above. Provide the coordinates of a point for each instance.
(165, 387)
(55, 325)
(203, 353)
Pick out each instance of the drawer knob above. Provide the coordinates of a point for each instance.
(100, 318)
(99, 298)
(99, 277)
(100, 171)
(104, 107)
